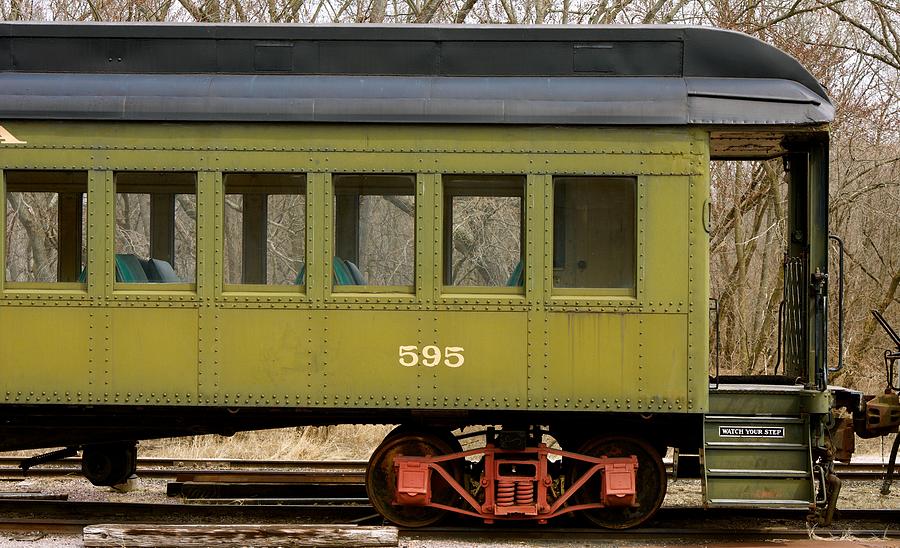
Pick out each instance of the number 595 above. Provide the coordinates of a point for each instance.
(431, 355)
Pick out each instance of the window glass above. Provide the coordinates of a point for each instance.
(374, 229)
(483, 223)
(156, 227)
(594, 241)
(46, 225)
(265, 228)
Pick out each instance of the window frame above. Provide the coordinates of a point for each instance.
(138, 289)
(599, 296)
(290, 291)
(369, 293)
(74, 289)
(506, 294)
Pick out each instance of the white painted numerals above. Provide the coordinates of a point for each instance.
(430, 356)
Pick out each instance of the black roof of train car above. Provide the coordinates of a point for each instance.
(656, 75)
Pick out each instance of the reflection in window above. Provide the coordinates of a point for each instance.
(265, 228)
(594, 232)
(374, 229)
(46, 213)
(483, 223)
(156, 227)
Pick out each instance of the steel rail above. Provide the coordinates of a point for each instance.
(731, 534)
(85, 513)
(690, 522)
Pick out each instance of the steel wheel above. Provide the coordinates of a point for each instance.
(108, 464)
(381, 477)
(651, 481)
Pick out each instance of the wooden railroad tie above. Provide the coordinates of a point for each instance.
(262, 536)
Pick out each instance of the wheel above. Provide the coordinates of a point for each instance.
(381, 477)
(108, 464)
(650, 481)
(410, 429)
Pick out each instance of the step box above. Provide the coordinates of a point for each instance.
(748, 462)
(763, 492)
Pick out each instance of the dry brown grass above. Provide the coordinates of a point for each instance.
(343, 442)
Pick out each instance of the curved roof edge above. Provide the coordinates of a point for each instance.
(408, 73)
(404, 99)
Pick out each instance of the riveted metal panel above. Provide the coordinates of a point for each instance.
(592, 362)
(101, 253)
(154, 356)
(268, 355)
(534, 238)
(663, 343)
(427, 238)
(42, 369)
(316, 268)
(664, 229)
(209, 187)
(698, 280)
(494, 375)
(364, 368)
(538, 274)
(101, 243)
(210, 207)
(214, 137)
(437, 238)
(326, 237)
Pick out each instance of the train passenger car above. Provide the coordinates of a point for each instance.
(220, 228)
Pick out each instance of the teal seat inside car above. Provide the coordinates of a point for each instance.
(129, 269)
(343, 273)
(159, 271)
(517, 278)
(357, 276)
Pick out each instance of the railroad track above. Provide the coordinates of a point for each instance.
(72, 516)
(680, 522)
(154, 467)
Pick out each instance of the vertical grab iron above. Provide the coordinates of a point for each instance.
(840, 244)
(714, 307)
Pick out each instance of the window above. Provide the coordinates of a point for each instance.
(594, 242)
(483, 224)
(265, 228)
(156, 227)
(374, 230)
(46, 214)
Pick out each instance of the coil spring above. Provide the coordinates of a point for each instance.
(506, 493)
(524, 492)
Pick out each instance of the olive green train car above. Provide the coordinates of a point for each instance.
(639, 347)
(215, 228)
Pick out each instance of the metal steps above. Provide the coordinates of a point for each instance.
(756, 460)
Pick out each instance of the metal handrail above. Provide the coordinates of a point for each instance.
(840, 243)
(780, 336)
(715, 308)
